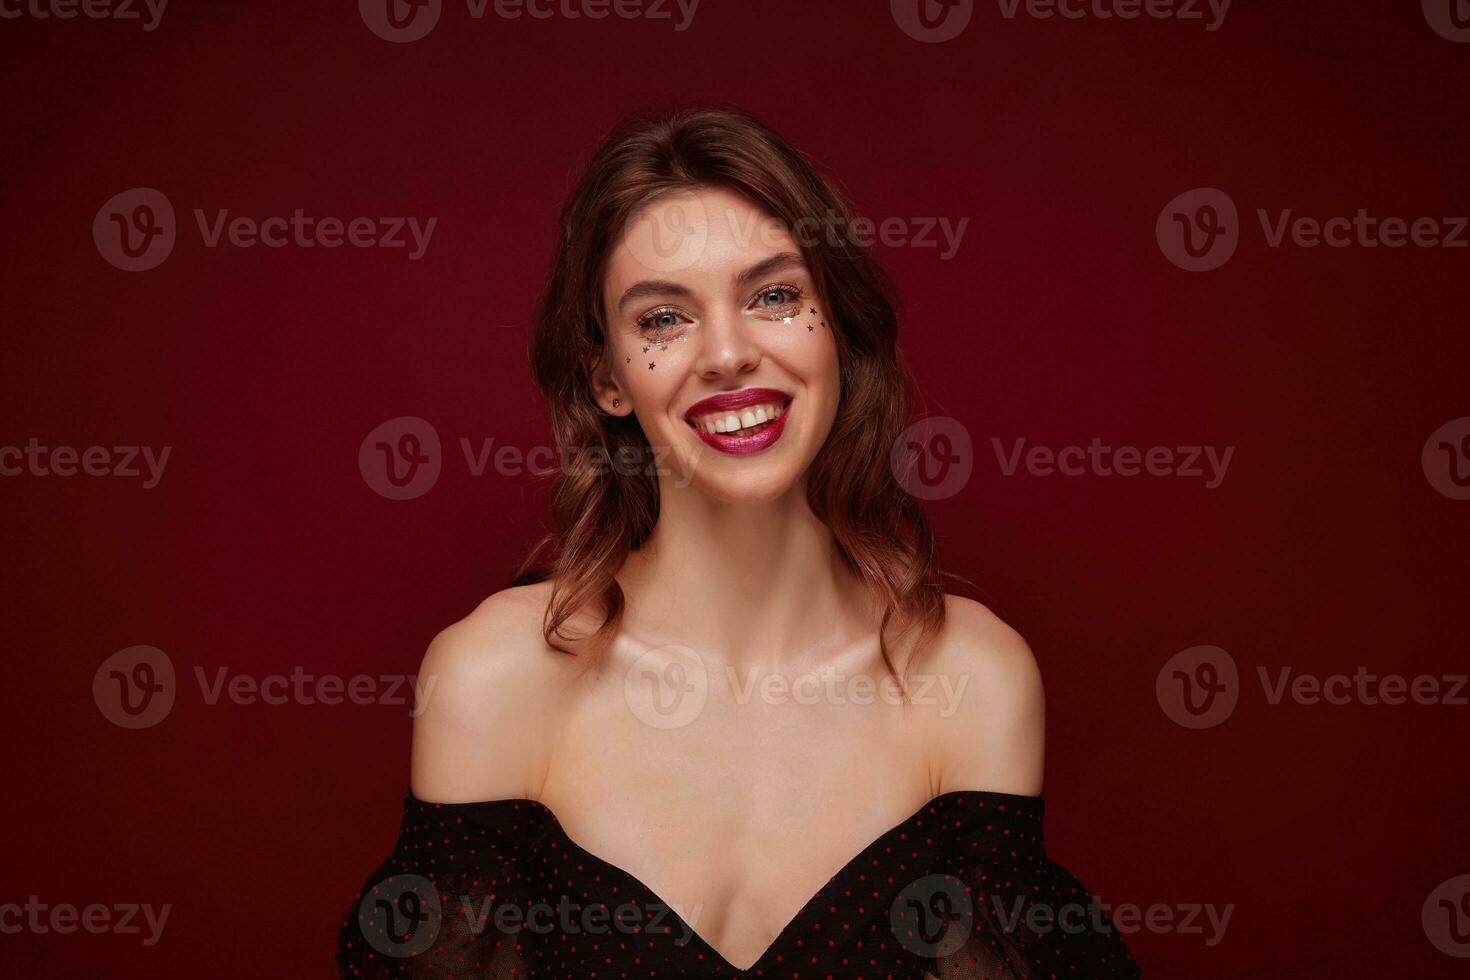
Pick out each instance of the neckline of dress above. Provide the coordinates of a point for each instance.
(1020, 801)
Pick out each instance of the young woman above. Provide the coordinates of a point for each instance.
(733, 726)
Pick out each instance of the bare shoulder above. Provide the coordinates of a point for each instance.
(491, 688)
(994, 737)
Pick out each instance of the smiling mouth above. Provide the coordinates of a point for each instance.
(741, 422)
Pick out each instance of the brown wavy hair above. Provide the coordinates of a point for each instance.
(600, 513)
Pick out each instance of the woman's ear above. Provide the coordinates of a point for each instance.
(607, 389)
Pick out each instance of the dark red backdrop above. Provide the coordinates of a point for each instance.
(263, 549)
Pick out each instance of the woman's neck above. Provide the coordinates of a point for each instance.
(753, 584)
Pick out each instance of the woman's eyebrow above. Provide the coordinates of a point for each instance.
(776, 263)
(652, 287)
(779, 262)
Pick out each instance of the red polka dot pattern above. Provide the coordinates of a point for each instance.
(962, 889)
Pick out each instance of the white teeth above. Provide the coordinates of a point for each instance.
(731, 421)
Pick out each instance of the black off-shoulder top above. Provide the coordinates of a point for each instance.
(962, 889)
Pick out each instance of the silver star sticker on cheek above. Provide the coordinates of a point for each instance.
(787, 319)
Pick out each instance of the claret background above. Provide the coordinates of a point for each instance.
(1184, 297)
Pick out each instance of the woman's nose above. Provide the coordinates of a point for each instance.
(728, 345)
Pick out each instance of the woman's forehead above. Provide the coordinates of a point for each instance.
(708, 236)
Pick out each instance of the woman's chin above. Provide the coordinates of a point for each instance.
(743, 488)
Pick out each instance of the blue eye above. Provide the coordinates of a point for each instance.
(778, 300)
(659, 322)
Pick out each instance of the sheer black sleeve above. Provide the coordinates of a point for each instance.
(998, 908)
(437, 907)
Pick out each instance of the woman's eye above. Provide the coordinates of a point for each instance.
(659, 321)
(777, 298)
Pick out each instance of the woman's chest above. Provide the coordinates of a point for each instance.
(739, 813)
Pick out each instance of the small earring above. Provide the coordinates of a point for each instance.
(616, 402)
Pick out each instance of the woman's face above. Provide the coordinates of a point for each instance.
(706, 296)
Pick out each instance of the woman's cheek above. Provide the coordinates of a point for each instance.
(644, 359)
